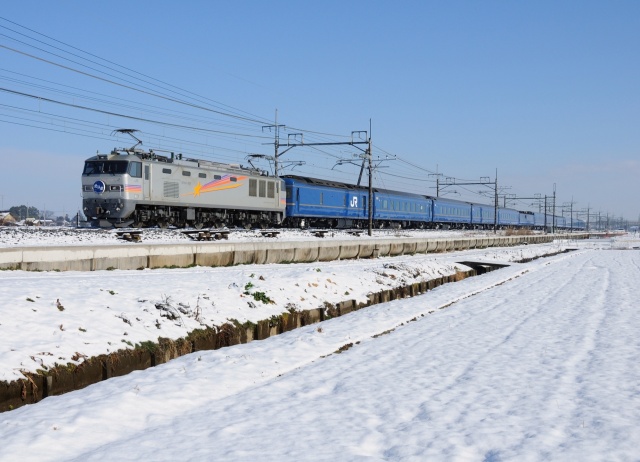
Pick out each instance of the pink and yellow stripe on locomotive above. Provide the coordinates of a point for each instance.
(217, 185)
(133, 188)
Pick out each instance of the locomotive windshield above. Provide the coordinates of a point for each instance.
(113, 167)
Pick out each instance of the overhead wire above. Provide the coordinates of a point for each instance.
(119, 65)
(158, 95)
(77, 106)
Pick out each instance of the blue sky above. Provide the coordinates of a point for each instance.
(544, 92)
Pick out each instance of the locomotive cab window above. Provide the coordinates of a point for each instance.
(113, 167)
(217, 177)
(167, 171)
(202, 175)
(186, 173)
(233, 179)
(135, 169)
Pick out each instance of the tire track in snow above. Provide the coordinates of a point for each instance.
(561, 402)
(513, 342)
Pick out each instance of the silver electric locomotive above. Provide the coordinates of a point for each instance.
(130, 187)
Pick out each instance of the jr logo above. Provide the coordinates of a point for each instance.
(354, 202)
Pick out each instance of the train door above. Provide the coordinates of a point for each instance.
(146, 180)
(363, 201)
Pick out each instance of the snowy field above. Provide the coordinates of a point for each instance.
(64, 317)
(536, 361)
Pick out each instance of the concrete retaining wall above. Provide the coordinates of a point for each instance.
(138, 256)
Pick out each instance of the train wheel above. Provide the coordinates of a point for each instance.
(163, 224)
(198, 225)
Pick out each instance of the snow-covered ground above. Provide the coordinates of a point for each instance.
(536, 361)
(64, 317)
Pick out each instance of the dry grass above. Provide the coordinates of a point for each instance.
(518, 232)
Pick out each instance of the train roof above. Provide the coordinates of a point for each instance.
(340, 185)
(176, 159)
(321, 182)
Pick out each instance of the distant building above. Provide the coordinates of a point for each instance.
(6, 219)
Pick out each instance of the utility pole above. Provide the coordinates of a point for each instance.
(545, 214)
(495, 206)
(553, 219)
(571, 215)
(452, 181)
(437, 175)
(276, 144)
(369, 156)
(587, 211)
(298, 136)
(587, 225)
(569, 205)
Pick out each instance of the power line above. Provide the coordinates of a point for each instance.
(116, 64)
(157, 95)
(142, 119)
(180, 115)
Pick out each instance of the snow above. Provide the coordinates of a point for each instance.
(536, 361)
(66, 316)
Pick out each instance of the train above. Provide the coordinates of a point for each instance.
(137, 188)
(134, 188)
(313, 202)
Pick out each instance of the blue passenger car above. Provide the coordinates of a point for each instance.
(407, 210)
(508, 217)
(482, 215)
(314, 202)
(451, 213)
(579, 224)
(526, 219)
(539, 221)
